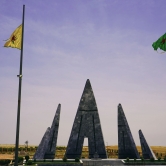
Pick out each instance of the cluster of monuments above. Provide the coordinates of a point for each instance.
(87, 125)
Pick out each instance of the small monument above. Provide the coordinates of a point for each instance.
(40, 152)
(147, 153)
(50, 153)
(126, 144)
(47, 146)
(86, 124)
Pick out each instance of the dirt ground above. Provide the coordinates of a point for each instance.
(6, 156)
(160, 151)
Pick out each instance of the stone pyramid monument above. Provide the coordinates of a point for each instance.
(43, 145)
(147, 153)
(47, 146)
(86, 124)
(126, 144)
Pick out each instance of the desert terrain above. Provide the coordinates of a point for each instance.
(7, 151)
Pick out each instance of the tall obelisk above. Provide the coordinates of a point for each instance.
(147, 153)
(50, 153)
(47, 146)
(43, 145)
(86, 125)
(126, 144)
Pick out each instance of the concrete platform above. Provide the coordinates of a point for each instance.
(103, 162)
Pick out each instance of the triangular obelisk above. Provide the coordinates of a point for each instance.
(47, 146)
(50, 153)
(86, 124)
(147, 153)
(126, 144)
(43, 145)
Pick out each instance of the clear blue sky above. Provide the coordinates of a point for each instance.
(67, 42)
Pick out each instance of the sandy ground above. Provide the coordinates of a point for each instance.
(160, 150)
(6, 156)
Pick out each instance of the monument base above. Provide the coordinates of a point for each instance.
(102, 162)
(49, 155)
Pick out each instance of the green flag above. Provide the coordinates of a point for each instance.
(160, 43)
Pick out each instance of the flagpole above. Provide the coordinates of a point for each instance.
(19, 94)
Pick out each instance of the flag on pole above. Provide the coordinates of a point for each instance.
(160, 43)
(15, 39)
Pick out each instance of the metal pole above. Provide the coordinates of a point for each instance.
(19, 94)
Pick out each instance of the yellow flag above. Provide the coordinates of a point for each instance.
(15, 39)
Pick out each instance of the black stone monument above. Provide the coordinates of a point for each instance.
(50, 153)
(86, 124)
(126, 144)
(40, 152)
(146, 150)
(47, 146)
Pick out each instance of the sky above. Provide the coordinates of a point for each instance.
(67, 42)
